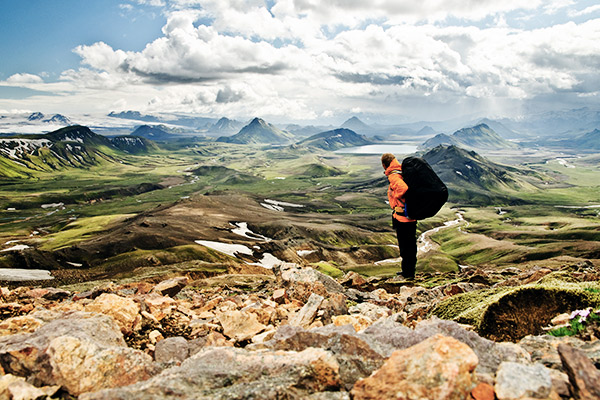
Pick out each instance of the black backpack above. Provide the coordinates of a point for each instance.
(426, 192)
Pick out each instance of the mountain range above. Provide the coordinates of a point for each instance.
(586, 142)
(72, 147)
(479, 137)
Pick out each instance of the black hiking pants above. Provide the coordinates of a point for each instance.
(407, 241)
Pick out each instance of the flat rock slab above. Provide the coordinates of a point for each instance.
(18, 275)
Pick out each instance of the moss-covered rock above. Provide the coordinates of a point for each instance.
(511, 313)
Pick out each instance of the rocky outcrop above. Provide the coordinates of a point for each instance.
(297, 335)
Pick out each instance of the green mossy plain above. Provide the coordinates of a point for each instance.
(533, 230)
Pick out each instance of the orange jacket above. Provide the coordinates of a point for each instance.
(397, 189)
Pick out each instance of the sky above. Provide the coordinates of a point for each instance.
(304, 61)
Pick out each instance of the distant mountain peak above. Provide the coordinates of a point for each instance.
(36, 116)
(259, 131)
(354, 122)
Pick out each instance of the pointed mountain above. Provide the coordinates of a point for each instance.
(479, 137)
(225, 126)
(335, 139)
(356, 125)
(259, 131)
(426, 131)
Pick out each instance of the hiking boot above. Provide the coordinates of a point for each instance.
(407, 278)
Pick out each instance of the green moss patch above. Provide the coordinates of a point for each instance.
(329, 269)
(511, 313)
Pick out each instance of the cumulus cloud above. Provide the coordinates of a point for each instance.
(24, 78)
(294, 58)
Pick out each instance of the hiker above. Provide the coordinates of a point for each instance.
(406, 228)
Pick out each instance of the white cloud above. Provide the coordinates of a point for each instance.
(24, 78)
(153, 3)
(301, 57)
(585, 11)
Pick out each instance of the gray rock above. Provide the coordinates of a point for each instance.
(234, 373)
(387, 335)
(370, 310)
(544, 349)
(516, 381)
(293, 273)
(173, 349)
(355, 357)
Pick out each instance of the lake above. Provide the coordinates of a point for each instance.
(396, 148)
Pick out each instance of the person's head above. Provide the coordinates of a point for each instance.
(386, 160)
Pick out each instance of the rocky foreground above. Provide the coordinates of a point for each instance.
(299, 334)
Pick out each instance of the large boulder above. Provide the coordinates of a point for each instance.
(438, 368)
(79, 351)
(233, 373)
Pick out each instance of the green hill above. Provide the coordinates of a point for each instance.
(475, 179)
(335, 139)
